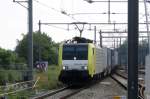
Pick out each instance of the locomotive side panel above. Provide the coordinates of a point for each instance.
(116, 58)
(109, 60)
(91, 59)
(60, 56)
(101, 62)
(113, 58)
(108, 57)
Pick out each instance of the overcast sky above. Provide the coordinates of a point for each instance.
(13, 18)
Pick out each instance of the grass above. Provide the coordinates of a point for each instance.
(48, 80)
(22, 95)
(10, 76)
(53, 77)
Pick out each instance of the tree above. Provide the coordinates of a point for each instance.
(7, 58)
(142, 52)
(44, 48)
(123, 53)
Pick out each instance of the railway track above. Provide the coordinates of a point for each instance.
(72, 92)
(65, 92)
(78, 90)
(50, 93)
(122, 80)
(62, 93)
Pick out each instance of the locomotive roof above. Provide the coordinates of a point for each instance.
(76, 43)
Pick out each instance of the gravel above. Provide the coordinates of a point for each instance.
(105, 89)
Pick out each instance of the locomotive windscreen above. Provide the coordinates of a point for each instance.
(80, 52)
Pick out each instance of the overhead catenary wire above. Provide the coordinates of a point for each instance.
(45, 5)
(112, 1)
(22, 5)
(72, 13)
(104, 30)
(67, 28)
(56, 10)
(94, 13)
(57, 27)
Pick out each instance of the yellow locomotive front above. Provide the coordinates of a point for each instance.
(74, 63)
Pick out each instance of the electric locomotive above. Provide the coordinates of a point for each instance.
(81, 62)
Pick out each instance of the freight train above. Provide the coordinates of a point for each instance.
(81, 62)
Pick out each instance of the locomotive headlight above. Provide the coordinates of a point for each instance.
(84, 67)
(65, 67)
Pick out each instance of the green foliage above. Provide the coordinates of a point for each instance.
(10, 64)
(3, 77)
(142, 52)
(7, 57)
(10, 76)
(123, 52)
(49, 79)
(10, 60)
(53, 74)
(22, 94)
(43, 47)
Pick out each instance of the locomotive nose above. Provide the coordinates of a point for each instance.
(75, 64)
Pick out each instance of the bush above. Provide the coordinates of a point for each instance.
(10, 76)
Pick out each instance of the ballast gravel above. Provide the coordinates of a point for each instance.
(106, 89)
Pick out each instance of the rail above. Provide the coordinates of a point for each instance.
(118, 78)
(50, 93)
(17, 87)
(69, 93)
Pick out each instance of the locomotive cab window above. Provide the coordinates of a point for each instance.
(81, 52)
(78, 51)
(68, 52)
